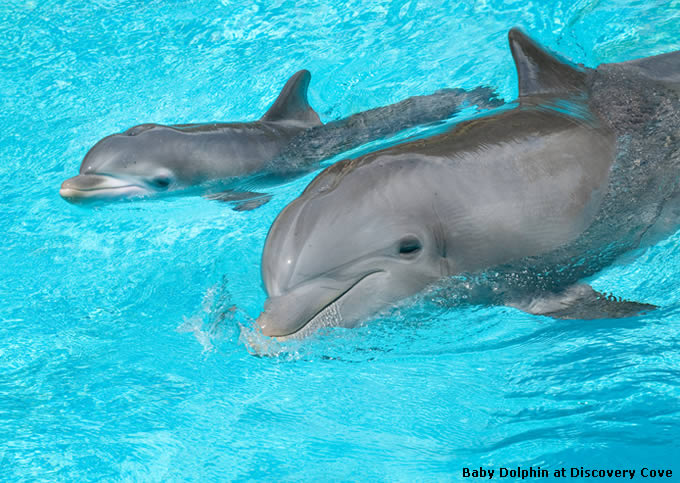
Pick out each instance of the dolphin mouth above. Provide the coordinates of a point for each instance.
(92, 187)
(300, 321)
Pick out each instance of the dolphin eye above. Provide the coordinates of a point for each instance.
(409, 246)
(161, 182)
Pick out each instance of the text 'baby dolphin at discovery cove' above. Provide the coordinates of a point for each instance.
(511, 208)
(288, 141)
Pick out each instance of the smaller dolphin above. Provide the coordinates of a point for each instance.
(289, 140)
(152, 158)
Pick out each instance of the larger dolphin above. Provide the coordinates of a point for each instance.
(513, 208)
(288, 140)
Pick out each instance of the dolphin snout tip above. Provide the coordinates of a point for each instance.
(66, 194)
(69, 190)
(267, 326)
(258, 343)
(264, 324)
(68, 184)
(280, 317)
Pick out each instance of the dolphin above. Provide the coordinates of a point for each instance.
(287, 141)
(514, 207)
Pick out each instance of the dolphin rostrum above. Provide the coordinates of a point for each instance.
(287, 141)
(515, 207)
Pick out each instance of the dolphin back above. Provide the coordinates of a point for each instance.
(664, 68)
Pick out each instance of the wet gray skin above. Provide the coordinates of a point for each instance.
(511, 208)
(289, 140)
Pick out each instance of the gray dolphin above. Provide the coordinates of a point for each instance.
(287, 141)
(513, 208)
(152, 158)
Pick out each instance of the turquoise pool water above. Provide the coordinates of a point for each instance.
(117, 360)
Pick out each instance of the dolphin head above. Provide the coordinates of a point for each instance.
(144, 160)
(343, 251)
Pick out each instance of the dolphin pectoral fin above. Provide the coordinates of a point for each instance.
(252, 204)
(243, 200)
(582, 302)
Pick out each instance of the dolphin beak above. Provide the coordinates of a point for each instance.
(92, 187)
(287, 314)
(306, 308)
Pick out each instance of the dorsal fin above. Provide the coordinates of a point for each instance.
(540, 72)
(292, 105)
